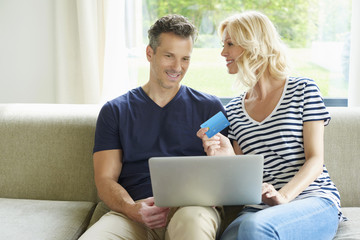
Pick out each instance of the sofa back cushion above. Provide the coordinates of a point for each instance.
(342, 153)
(46, 151)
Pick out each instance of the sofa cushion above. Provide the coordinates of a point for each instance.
(351, 228)
(100, 210)
(41, 219)
(342, 153)
(46, 151)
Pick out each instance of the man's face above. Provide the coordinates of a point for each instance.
(171, 60)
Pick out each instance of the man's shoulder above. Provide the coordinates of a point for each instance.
(124, 98)
(199, 95)
(120, 103)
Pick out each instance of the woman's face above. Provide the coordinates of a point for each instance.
(231, 53)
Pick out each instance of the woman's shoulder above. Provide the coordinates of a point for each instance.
(236, 102)
(300, 81)
(299, 85)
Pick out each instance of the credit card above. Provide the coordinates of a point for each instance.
(215, 124)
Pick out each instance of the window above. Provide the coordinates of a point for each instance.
(317, 33)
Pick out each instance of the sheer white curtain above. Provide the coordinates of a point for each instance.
(91, 54)
(116, 68)
(354, 74)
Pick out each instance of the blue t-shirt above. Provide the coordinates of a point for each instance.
(141, 129)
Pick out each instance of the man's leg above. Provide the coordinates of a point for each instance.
(194, 223)
(116, 226)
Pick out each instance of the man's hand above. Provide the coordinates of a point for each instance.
(272, 197)
(151, 215)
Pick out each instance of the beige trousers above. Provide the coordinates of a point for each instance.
(184, 223)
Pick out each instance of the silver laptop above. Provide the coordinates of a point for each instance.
(206, 181)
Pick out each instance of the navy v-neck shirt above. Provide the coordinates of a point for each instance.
(142, 129)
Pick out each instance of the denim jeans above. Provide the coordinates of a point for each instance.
(310, 218)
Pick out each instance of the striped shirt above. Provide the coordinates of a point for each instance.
(279, 137)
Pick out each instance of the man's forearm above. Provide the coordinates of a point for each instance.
(116, 197)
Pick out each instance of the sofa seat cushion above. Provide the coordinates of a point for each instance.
(351, 228)
(41, 219)
(100, 210)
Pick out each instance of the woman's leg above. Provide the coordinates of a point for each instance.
(310, 218)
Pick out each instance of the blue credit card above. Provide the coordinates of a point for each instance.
(215, 124)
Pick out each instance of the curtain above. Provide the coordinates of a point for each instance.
(91, 53)
(116, 68)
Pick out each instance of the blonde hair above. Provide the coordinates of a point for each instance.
(263, 48)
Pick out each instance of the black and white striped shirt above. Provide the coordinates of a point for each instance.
(279, 137)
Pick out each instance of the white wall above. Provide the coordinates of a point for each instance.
(27, 51)
(354, 83)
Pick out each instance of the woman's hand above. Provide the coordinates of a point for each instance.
(272, 197)
(217, 145)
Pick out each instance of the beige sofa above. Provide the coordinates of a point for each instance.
(46, 173)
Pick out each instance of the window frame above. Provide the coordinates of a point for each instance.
(329, 102)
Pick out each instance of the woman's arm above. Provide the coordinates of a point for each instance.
(237, 148)
(313, 136)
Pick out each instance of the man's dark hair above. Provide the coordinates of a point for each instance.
(173, 23)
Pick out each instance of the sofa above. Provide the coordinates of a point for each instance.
(47, 189)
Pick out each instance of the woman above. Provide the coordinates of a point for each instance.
(283, 119)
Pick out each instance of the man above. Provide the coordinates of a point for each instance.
(160, 118)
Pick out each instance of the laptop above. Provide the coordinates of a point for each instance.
(206, 180)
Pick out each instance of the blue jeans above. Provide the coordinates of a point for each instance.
(310, 218)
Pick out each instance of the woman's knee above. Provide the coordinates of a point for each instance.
(254, 227)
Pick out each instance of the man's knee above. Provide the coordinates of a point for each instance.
(115, 226)
(194, 221)
(196, 215)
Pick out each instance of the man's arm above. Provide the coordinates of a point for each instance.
(107, 169)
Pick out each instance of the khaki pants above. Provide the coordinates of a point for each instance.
(184, 223)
